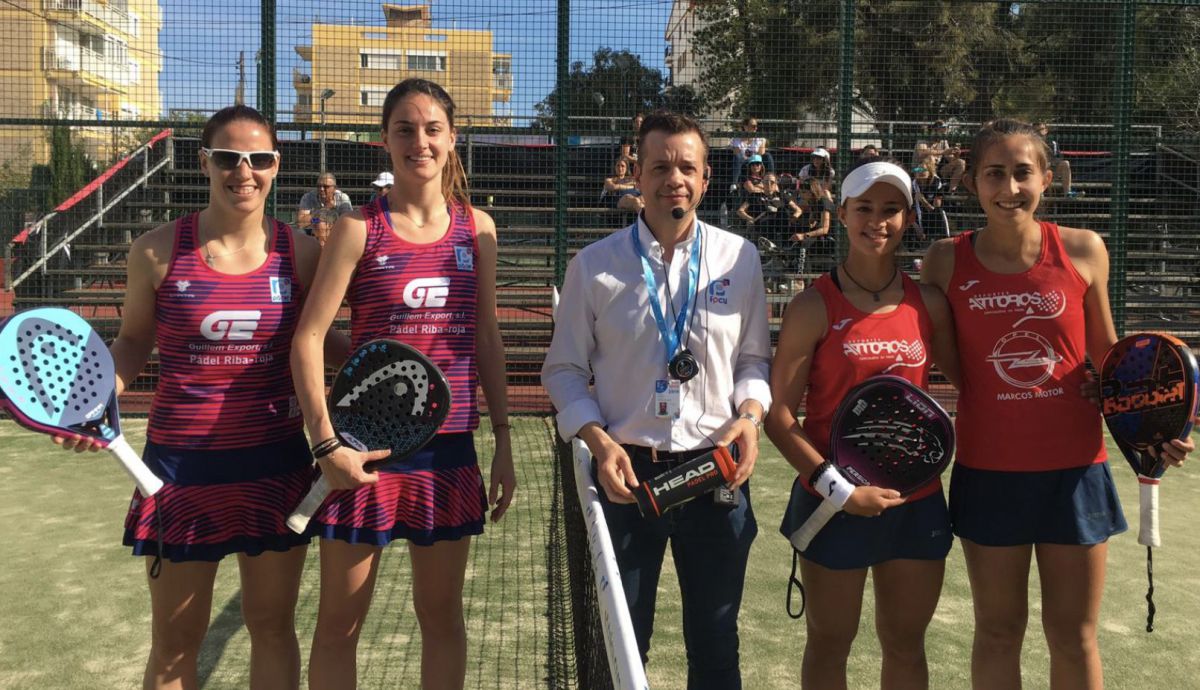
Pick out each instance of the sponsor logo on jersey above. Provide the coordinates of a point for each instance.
(382, 260)
(968, 285)
(1024, 359)
(230, 325)
(842, 324)
(718, 291)
(281, 289)
(182, 285)
(464, 258)
(427, 292)
(901, 353)
(1030, 305)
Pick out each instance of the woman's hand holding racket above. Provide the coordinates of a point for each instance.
(871, 501)
(346, 468)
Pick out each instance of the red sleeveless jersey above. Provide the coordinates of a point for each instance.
(224, 345)
(857, 346)
(1022, 344)
(425, 296)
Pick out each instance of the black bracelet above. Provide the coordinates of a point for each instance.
(821, 469)
(326, 447)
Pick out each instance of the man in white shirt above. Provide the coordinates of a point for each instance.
(326, 195)
(666, 288)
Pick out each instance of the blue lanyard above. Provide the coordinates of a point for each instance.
(673, 339)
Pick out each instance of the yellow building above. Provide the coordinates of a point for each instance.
(78, 60)
(360, 64)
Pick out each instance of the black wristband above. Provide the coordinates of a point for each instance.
(326, 447)
(821, 469)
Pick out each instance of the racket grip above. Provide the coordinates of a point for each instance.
(802, 537)
(298, 520)
(147, 483)
(1148, 531)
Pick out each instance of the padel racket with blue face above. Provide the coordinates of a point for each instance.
(386, 396)
(1148, 384)
(57, 378)
(1148, 395)
(886, 432)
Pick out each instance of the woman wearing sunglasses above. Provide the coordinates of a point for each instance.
(219, 293)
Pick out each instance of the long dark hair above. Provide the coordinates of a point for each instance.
(454, 178)
(234, 113)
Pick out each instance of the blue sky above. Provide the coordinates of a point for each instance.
(201, 42)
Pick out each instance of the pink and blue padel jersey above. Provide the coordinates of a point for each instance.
(224, 344)
(423, 295)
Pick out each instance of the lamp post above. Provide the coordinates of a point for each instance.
(325, 95)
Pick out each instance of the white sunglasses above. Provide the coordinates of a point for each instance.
(229, 159)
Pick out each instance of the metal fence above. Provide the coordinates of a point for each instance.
(547, 92)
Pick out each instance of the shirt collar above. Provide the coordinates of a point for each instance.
(651, 243)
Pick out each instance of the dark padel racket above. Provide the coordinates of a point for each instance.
(1148, 395)
(57, 377)
(386, 395)
(886, 432)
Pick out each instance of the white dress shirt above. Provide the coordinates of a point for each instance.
(604, 317)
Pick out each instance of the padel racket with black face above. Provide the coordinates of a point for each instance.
(386, 396)
(886, 432)
(1148, 384)
(57, 377)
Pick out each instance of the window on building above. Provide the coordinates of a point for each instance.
(372, 97)
(431, 63)
(371, 60)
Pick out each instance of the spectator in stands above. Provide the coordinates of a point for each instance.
(326, 195)
(951, 168)
(621, 189)
(629, 151)
(817, 217)
(322, 223)
(867, 152)
(746, 147)
(772, 211)
(931, 221)
(643, 416)
(382, 185)
(1060, 166)
(752, 183)
(817, 177)
(935, 145)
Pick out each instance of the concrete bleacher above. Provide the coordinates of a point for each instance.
(518, 188)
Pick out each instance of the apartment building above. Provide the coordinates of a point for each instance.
(78, 60)
(350, 69)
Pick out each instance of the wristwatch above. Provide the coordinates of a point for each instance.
(753, 419)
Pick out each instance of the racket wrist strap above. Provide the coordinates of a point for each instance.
(831, 485)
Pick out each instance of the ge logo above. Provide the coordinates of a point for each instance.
(230, 325)
(427, 292)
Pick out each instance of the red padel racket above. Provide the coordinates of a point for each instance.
(386, 395)
(886, 432)
(1148, 395)
(57, 377)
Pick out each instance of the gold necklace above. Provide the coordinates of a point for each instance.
(874, 293)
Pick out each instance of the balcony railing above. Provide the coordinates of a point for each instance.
(80, 59)
(120, 20)
(73, 111)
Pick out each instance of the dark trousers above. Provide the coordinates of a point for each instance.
(710, 544)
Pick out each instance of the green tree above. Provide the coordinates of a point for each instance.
(615, 85)
(70, 167)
